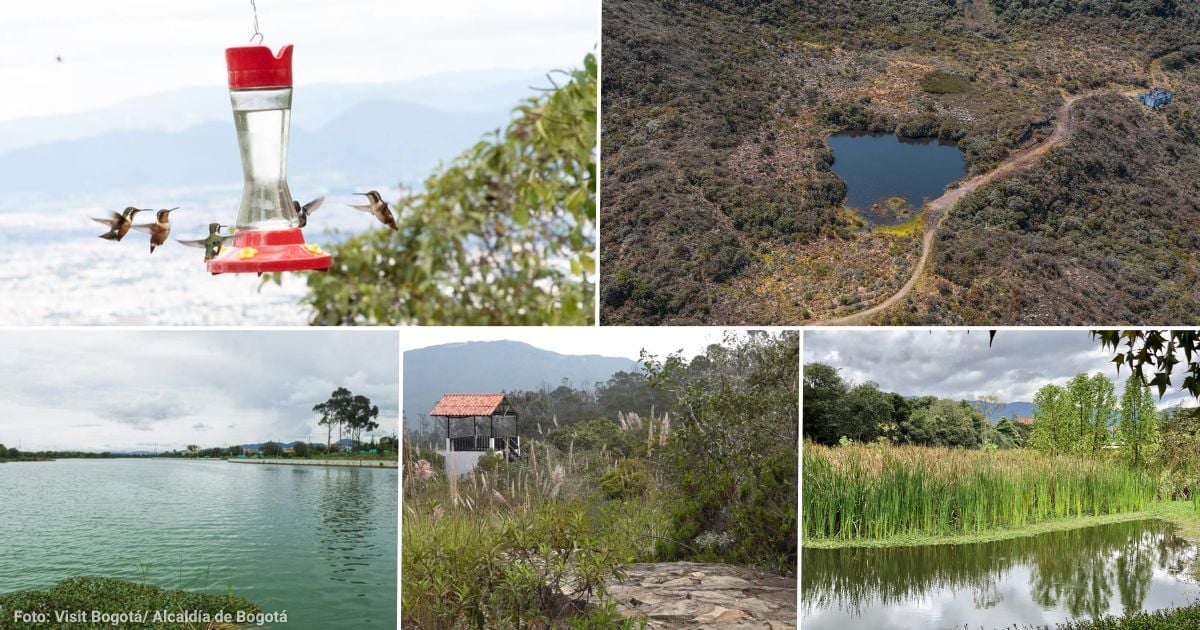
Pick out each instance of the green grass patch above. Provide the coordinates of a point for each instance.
(1185, 618)
(914, 227)
(938, 82)
(861, 493)
(113, 597)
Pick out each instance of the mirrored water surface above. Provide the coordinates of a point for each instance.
(318, 542)
(1044, 579)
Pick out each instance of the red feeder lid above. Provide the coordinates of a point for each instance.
(256, 67)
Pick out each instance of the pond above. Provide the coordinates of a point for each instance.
(318, 542)
(1044, 579)
(889, 178)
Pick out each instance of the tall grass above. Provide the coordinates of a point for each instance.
(867, 492)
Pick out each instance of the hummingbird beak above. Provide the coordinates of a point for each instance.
(363, 194)
(173, 209)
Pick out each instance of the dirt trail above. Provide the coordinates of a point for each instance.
(935, 211)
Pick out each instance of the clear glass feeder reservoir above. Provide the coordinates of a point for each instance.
(267, 237)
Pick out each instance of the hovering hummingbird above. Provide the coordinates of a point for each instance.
(307, 209)
(159, 230)
(377, 207)
(212, 244)
(118, 224)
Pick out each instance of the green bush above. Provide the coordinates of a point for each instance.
(588, 435)
(629, 479)
(938, 82)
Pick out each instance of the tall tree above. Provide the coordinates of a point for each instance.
(1052, 421)
(824, 391)
(331, 413)
(1138, 427)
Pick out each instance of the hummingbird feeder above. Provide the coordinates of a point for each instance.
(267, 238)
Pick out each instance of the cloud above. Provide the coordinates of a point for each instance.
(963, 365)
(200, 426)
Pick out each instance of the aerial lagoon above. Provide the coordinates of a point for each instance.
(1045, 579)
(318, 542)
(889, 178)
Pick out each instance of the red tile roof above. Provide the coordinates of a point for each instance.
(467, 405)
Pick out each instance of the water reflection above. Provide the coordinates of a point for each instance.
(344, 506)
(1053, 577)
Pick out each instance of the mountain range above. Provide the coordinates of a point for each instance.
(1008, 410)
(494, 366)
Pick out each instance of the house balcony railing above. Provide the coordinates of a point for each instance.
(469, 443)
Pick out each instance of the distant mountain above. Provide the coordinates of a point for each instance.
(374, 143)
(492, 366)
(1009, 410)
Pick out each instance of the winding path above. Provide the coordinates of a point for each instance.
(936, 210)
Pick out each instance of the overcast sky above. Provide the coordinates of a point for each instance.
(610, 342)
(120, 49)
(134, 390)
(960, 365)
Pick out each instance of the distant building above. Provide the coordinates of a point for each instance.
(1022, 420)
(1155, 98)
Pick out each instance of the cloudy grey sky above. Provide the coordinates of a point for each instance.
(625, 342)
(132, 390)
(120, 49)
(959, 364)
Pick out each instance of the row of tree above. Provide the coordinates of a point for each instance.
(1085, 417)
(350, 413)
(836, 410)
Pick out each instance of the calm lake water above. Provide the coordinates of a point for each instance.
(876, 166)
(318, 542)
(1046, 579)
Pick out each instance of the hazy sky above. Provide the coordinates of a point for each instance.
(133, 390)
(955, 364)
(609, 342)
(120, 49)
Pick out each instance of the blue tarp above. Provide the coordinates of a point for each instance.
(1155, 98)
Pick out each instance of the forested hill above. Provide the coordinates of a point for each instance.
(494, 366)
(718, 192)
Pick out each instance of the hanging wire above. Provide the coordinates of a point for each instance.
(256, 32)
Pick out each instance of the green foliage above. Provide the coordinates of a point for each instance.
(1183, 618)
(588, 435)
(506, 572)
(733, 434)
(1157, 352)
(114, 597)
(938, 82)
(859, 492)
(628, 479)
(1074, 419)
(347, 411)
(1137, 429)
(503, 235)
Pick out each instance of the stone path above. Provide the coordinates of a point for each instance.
(694, 595)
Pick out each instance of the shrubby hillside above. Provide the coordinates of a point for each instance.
(720, 205)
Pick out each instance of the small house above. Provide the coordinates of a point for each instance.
(498, 435)
(1155, 98)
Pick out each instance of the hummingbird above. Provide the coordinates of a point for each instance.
(303, 211)
(377, 207)
(159, 230)
(118, 224)
(212, 244)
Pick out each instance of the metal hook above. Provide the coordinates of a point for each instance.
(256, 32)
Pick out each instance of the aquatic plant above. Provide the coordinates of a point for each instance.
(859, 492)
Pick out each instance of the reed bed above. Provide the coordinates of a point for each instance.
(869, 492)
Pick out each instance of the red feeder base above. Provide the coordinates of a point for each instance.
(270, 251)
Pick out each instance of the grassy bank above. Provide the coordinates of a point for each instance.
(114, 597)
(1185, 618)
(858, 494)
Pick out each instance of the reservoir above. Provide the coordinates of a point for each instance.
(879, 167)
(1044, 579)
(318, 542)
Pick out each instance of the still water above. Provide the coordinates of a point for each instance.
(1045, 579)
(876, 166)
(317, 542)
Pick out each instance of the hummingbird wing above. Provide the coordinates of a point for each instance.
(143, 228)
(312, 206)
(197, 243)
(110, 222)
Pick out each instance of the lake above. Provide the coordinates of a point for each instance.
(1045, 579)
(318, 542)
(878, 166)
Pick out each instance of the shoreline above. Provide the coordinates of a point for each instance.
(1179, 513)
(348, 463)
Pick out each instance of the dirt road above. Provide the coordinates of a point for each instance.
(936, 210)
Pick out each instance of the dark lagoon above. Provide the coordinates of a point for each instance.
(318, 542)
(1045, 579)
(877, 166)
